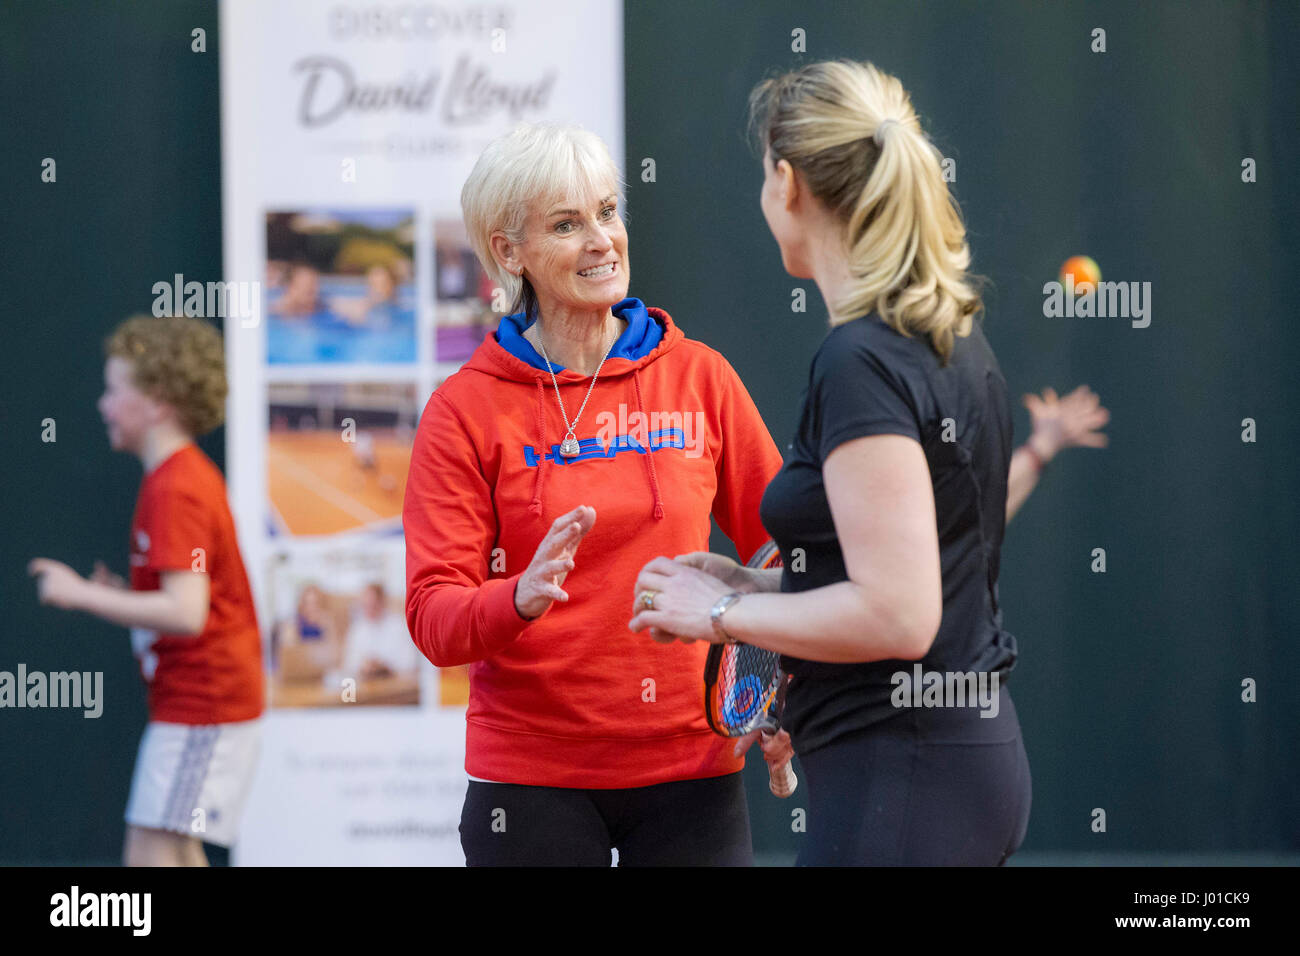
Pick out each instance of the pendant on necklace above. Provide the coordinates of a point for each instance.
(570, 448)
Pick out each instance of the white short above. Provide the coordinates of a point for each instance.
(193, 779)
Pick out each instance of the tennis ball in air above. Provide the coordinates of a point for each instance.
(1077, 270)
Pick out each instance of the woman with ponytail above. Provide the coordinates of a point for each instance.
(890, 508)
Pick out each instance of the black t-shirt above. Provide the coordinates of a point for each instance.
(867, 379)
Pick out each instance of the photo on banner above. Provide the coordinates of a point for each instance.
(463, 293)
(338, 634)
(337, 454)
(340, 286)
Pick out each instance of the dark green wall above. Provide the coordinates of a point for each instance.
(1128, 686)
(132, 118)
(1129, 682)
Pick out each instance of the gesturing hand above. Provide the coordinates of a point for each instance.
(1066, 422)
(540, 584)
(56, 583)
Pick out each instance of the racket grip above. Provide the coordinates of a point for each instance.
(782, 780)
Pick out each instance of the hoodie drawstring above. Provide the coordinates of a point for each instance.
(536, 506)
(649, 455)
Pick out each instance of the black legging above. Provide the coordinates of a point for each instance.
(684, 823)
(930, 787)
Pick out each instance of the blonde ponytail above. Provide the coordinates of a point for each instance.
(852, 132)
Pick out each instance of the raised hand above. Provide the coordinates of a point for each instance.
(541, 583)
(1072, 421)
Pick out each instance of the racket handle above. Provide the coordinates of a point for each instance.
(781, 780)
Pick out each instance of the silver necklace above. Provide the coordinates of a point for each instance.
(570, 448)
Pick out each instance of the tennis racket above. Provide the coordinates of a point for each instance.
(744, 689)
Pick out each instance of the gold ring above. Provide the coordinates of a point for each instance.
(648, 600)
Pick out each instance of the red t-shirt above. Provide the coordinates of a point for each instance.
(183, 523)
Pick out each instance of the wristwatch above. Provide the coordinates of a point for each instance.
(715, 615)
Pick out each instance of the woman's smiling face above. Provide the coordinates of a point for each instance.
(575, 253)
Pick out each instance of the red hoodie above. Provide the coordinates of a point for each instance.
(573, 698)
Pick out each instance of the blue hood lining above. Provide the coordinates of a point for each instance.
(638, 340)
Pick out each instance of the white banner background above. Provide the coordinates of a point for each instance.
(409, 93)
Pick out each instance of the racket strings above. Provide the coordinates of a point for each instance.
(742, 688)
(747, 684)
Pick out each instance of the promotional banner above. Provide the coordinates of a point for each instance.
(348, 130)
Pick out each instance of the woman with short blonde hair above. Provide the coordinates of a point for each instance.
(583, 437)
(534, 162)
(890, 508)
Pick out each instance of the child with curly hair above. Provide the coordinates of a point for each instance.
(188, 603)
